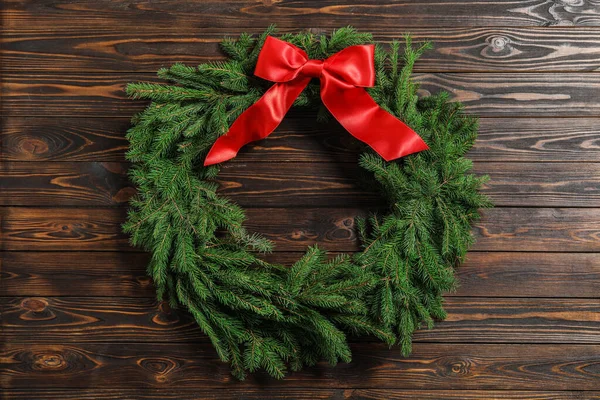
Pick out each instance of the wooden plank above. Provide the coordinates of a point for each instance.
(542, 184)
(483, 94)
(145, 48)
(529, 275)
(291, 184)
(142, 320)
(192, 365)
(483, 274)
(248, 14)
(299, 139)
(195, 394)
(90, 184)
(75, 274)
(95, 319)
(64, 139)
(507, 320)
(297, 394)
(542, 229)
(49, 183)
(500, 229)
(69, 95)
(537, 140)
(338, 185)
(383, 394)
(63, 229)
(523, 95)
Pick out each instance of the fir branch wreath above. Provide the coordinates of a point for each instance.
(263, 316)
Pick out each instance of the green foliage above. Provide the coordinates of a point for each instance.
(262, 316)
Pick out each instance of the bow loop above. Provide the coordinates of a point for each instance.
(354, 65)
(279, 61)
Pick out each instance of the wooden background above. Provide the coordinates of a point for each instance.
(79, 320)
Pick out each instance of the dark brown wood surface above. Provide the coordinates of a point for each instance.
(79, 318)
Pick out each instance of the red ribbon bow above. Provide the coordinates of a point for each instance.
(343, 78)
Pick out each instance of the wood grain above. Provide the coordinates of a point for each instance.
(63, 229)
(530, 275)
(543, 229)
(187, 365)
(292, 184)
(69, 95)
(483, 274)
(299, 139)
(500, 229)
(542, 184)
(483, 94)
(26, 183)
(145, 48)
(142, 320)
(262, 393)
(338, 185)
(523, 95)
(63, 139)
(237, 14)
(537, 139)
(75, 274)
(531, 320)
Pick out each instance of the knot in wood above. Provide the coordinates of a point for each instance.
(456, 367)
(49, 361)
(160, 367)
(499, 43)
(32, 147)
(35, 305)
(144, 281)
(165, 316)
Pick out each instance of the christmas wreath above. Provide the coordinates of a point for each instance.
(260, 315)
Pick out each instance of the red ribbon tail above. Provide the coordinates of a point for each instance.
(365, 120)
(257, 122)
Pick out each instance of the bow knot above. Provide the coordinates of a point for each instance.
(343, 78)
(313, 68)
